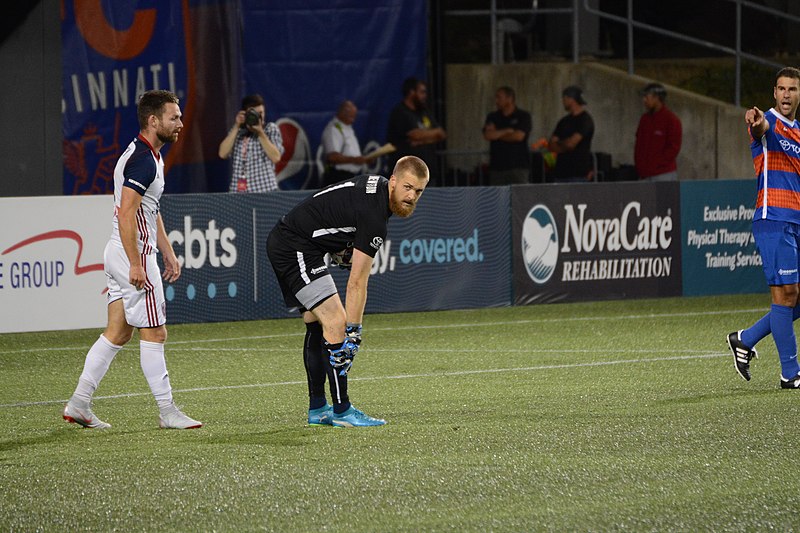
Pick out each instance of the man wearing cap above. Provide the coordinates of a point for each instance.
(572, 139)
(658, 137)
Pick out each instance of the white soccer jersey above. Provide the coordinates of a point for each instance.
(140, 168)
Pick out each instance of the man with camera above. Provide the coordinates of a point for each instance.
(254, 147)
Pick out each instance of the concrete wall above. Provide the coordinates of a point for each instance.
(715, 141)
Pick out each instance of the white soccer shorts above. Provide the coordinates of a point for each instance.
(145, 308)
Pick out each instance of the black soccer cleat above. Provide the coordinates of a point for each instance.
(793, 383)
(742, 354)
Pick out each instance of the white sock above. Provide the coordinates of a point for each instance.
(154, 366)
(97, 362)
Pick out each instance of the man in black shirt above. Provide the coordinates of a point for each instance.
(572, 139)
(413, 130)
(347, 220)
(507, 131)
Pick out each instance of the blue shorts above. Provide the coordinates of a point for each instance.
(778, 243)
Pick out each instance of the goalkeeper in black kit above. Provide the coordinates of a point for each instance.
(347, 220)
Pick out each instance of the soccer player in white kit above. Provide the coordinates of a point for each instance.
(135, 293)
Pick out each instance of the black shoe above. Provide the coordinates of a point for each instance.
(742, 354)
(793, 383)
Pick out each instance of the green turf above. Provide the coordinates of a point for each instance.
(601, 416)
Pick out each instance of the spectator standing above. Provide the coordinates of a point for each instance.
(507, 131)
(572, 139)
(342, 153)
(413, 130)
(254, 147)
(658, 137)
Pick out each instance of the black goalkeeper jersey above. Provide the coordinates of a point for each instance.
(353, 212)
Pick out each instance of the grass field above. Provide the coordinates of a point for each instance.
(607, 416)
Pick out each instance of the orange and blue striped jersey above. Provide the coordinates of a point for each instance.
(776, 159)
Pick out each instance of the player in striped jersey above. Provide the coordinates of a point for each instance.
(135, 293)
(775, 146)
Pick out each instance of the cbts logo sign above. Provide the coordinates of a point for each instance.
(603, 240)
(213, 246)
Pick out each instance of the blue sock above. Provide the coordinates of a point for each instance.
(757, 331)
(785, 340)
(753, 335)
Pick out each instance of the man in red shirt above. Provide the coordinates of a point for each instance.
(658, 137)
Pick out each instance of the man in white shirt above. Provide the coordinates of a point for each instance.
(341, 151)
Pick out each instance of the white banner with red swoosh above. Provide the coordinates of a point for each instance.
(51, 262)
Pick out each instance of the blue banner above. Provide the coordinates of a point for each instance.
(719, 253)
(305, 58)
(448, 255)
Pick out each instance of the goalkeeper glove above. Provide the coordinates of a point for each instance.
(353, 331)
(341, 358)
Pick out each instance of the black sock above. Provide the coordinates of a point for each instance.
(338, 384)
(314, 361)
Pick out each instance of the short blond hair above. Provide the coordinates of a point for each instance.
(412, 165)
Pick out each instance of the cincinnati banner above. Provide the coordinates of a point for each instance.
(303, 59)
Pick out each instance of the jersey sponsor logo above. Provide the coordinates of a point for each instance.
(788, 146)
(376, 243)
(787, 272)
(317, 270)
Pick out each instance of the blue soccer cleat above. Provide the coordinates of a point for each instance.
(353, 418)
(322, 416)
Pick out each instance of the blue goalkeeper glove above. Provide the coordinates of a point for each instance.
(342, 358)
(353, 332)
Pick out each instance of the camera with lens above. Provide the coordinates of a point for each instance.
(252, 117)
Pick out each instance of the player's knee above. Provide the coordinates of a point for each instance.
(158, 334)
(120, 338)
(785, 297)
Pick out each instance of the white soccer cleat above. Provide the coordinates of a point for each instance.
(83, 415)
(173, 418)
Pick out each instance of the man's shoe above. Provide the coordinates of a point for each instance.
(354, 418)
(83, 416)
(322, 416)
(793, 383)
(173, 418)
(742, 354)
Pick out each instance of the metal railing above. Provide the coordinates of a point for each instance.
(736, 51)
(497, 32)
(630, 23)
